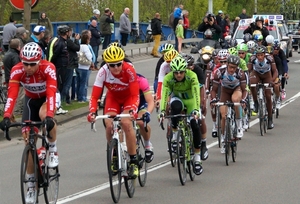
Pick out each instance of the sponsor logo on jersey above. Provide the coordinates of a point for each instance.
(8, 104)
(17, 71)
(51, 72)
(35, 88)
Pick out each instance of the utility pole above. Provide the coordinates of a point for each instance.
(210, 6)
(136, 13)
(27, 14)
(255, 7)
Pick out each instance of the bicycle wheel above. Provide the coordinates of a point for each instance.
(114, 172)
(218, 125)
(23, 175)
(277, 112)
(51, 190)
(261, 117)
(233, 144)
(130, 186)
(190, 153)
(227, 141)
(181, 159)
(143, 165)
(265, 118)
(170, 149)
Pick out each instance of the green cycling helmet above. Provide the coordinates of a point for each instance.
(232, 51)
(178, 64)
(242, 47)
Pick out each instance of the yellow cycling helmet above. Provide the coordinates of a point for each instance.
(113, 54)
(207, 50)
(171, 54)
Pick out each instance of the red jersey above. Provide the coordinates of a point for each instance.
(122, 86)
(41, 84)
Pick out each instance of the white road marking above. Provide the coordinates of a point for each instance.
(154, 167)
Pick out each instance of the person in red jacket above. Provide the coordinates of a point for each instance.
(38, 78)
(120, 79)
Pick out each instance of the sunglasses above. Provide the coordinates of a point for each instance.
(30, 64)
(241, 53)
(178, 72)
(115, 64)
(223, 62)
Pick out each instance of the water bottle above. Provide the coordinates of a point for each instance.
(42, 157)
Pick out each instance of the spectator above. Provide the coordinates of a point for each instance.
(209, 22)
(59, 56)
(45, 41)
(236, 24)
(96, 39)
(177, 15)
(226, 30)
(83, 70)
(45, 21)
(22, 35)
(156, 32)
(11, 58)
(9, 32)
(96, 15)
(243, 15)
(105, 20)
(219, 19)
(179, 34)
(171, 18)
(125, 26)
(208, 41)
(258, 27)
(37, 35)
(186, 23)
(73, 47)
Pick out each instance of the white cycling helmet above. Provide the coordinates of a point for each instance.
(251, 44)
(270, 39)
(223, 54)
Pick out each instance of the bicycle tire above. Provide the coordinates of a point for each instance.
(52, 189)
(261, 117)
(218, 125)
(115, 178)
(265, 118)
(233, 144)
(190, 152)
(23, 179)
(181, 159)
(277, 113)
(143, 165)
(130, 186)
(227, 141)
(170, 149)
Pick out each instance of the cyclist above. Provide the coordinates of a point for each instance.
(251, 46)
(120, 79)
(233, 88)
(184, 87)
(146, 107)
(162, 49)
(200, 75)
(262, 68)
(164, 69)
(247, 37)
(38, 78)
(280, 53)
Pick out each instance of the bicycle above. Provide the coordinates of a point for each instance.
(118, 159)
(137, 35)
(230, 140)
(3, 92)
(185, 147)
(44, 177)
(262, 109)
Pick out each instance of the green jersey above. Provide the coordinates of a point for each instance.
(187, 90)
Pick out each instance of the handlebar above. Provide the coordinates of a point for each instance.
(22, 124)
(265, 85)
(228, 103)
(161, 120)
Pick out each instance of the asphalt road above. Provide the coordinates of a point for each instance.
(266, 170)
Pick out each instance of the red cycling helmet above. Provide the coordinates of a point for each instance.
(31, 52)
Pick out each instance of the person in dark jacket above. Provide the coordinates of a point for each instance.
(58, 54)
(208, 41)
(243, 15)
(96, 15)
(156, 32)
(209, 22)
(10, 59)
(73, 47)
(96, 38)
(259, 21)
(22, 35)
(105, 20)
(45, 21)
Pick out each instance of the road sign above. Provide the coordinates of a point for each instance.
(19, 4)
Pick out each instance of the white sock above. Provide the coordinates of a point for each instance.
(58, 100)
(52, 146)
(197, 157)
(147, 143)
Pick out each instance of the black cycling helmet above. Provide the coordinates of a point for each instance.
(260, 49)
(259, 18)
(63, 29)
(232, 59)
(188, 58)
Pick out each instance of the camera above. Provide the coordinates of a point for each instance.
(209, 17)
